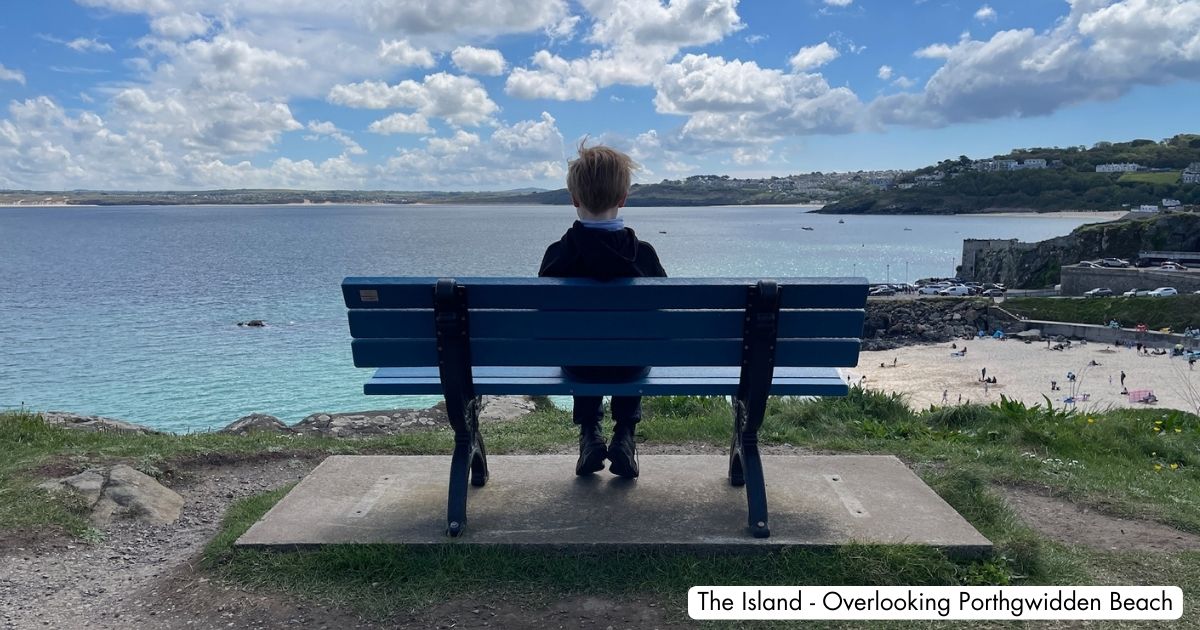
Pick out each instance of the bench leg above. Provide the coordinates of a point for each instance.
(468, 463)
(745, 469)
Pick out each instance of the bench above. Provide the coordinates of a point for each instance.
(468, 337)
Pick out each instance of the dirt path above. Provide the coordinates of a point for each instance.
(1059, 519)
(145, 577)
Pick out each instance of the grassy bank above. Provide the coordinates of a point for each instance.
(1136, 463)
(1176, 312)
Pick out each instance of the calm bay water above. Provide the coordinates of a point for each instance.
(131, 312)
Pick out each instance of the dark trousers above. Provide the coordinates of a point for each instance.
(590, 409)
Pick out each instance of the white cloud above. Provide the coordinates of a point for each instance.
(401, 53)
(180, 26)
(985, 14)
(739, 102)
(327, 128)
(746, 156)
(839, 3)
(885, 72)
(637, 38)
(10, 74)
(525, 152)
(84, 44)
(934, 51)
(904, 82)
(811, 57)
(474, 60)
(459, 100)
(401, 123)
(1099, 51)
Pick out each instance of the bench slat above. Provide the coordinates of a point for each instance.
(660, 382)
(669, 352)
(671, 324)
(540, 371)
(622, 294)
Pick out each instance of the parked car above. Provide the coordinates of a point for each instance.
(1098, 292)
(1114, 262)
(1136, 293)
(882, 291)
(959, 291)
(1164, 292)
(929, 289)
(1087, 264)
(1172, 266)
(993, 293)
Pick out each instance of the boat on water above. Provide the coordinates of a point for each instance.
(806, 228)
(841, 220)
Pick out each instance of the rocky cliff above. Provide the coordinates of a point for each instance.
(902, 322)
(1037, 265)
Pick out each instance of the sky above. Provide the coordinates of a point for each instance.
(497, 94)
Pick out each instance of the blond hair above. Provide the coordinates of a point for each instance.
(599, 178)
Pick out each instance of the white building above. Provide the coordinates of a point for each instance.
(1034, 163)
(1123, 167)
(1170, 203)
(1191, 174)
(1146, 208)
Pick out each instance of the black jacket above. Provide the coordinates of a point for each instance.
(601, 254)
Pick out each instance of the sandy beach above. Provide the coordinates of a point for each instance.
(1024, 371)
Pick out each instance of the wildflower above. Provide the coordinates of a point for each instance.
(1174, 466)
(1179, 430)
(1157, 467)
(1153, 453)
(1091, 421)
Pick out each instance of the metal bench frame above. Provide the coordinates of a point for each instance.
(455, 372)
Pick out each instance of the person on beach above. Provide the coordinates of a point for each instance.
(598, 245)
(946, 396)
(1122, 379)
(983, 374)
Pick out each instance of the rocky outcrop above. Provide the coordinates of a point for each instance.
(254, 323)
(394, 421)
(256, 423)
(121, 492)
(894, 323)
(1038, 265)
(75, 421)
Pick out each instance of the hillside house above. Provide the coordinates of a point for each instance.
(1122, 167)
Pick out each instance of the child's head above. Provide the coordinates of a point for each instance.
(598, 179)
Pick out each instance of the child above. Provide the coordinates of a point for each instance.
(599, 246)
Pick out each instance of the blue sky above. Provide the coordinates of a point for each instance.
(493, 94)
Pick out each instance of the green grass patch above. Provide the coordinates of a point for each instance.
(1168, 178)
(1177, 312)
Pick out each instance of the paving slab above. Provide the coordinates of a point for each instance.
(679, 501)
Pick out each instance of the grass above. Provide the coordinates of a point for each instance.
(1168, 178)
(1137, 463)
(1176, 312)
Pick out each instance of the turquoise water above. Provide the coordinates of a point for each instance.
(131, 312)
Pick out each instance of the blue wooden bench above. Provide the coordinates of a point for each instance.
(469, 337)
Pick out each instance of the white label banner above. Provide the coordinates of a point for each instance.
(935, 602)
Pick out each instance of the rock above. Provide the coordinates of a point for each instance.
(88, 484)
(132, 494)
(256, 422)
(502, 408)
(121, 492)
(254, 323)
(68, 420)
(371, 423)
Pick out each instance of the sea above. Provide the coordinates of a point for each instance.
(132, 312)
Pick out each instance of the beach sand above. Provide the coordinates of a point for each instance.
(1024, 372)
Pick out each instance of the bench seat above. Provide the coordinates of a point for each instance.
(661, 381)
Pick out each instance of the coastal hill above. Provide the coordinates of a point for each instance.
(1107, 176)
(697, 190)
(1037, 265)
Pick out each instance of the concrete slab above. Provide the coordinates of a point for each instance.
(679, 501)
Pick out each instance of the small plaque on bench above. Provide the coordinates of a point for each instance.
(368, 295)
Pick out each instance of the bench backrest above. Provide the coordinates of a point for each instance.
(640, 321)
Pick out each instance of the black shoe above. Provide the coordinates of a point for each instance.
(592, 451)
(622, 452)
